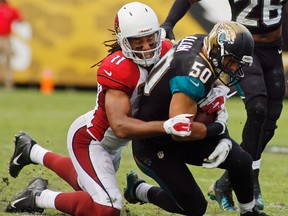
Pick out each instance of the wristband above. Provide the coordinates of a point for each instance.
(214, 129)
(224, 135)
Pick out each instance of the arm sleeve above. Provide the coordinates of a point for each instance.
(177, 11)
(213, 129)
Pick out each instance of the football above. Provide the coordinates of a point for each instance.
(204, 117)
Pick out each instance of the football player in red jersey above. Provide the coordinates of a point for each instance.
(95, 139)
(263, 87)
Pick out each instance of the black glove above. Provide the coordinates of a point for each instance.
(168, 27)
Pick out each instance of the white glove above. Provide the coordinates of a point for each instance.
(215, 100)
(222, 118)
(179, 125)
(219, 155)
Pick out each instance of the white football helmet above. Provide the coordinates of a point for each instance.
(136, 20)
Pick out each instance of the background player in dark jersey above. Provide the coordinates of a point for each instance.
(184, 76)
(285, 29)
(263, 85)
(285, 42)
(96, 138)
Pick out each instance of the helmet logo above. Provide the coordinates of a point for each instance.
(141, 31)
(226, 34)
(116, 25)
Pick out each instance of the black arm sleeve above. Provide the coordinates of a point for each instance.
(177, 11)
(213, 129)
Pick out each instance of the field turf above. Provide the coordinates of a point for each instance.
(47, 119)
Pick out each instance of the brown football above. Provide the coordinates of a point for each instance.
(204, 117)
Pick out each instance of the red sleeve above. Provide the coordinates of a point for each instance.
(118, 72)
(16, 13)
(166, 45)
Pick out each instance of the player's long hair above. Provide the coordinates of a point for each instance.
(113, 47)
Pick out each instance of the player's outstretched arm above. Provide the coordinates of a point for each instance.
(177, 11)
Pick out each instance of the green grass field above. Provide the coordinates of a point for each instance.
(47, 119)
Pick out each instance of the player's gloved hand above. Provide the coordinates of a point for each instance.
(215, 100)
(222, 118)
(219, 155)
(179, 125)
(168, 27)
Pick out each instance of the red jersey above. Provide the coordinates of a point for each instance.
(8, 15)
(117, 72)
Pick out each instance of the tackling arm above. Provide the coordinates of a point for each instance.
(118, 110)
(181, 103)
